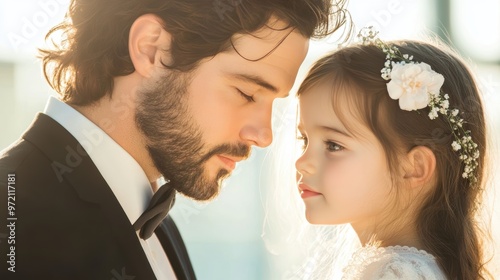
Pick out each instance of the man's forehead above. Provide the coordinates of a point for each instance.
(269, 57)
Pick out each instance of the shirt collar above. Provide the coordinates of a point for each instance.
(123, 174)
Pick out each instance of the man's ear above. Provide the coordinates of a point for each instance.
(421, 166)
(148, 41)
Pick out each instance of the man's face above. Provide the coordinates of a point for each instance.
(198, 125)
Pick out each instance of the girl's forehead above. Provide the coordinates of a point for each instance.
(321, 106)
(320, 103)
(317, 113)
(315, 106)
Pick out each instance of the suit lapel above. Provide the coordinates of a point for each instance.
(70, 162)
(174, 247)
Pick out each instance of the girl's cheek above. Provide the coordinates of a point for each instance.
(342, 174)
(338, 166)
(332, 174)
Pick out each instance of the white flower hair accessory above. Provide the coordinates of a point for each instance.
(417, 86)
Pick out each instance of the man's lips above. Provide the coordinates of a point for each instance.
(228, 161)
(306, 191)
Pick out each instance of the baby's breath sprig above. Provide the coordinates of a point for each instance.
(392, 54)
(463, 143)
(417, 86)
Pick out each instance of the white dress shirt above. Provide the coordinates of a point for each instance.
(123, 174)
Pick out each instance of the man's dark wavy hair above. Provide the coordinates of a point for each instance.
(95, 49)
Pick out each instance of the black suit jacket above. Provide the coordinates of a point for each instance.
(66, 222)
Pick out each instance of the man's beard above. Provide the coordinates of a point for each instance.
(175, 142)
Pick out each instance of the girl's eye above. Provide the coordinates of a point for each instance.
(246, 96)
(333, 147)
(304, 141)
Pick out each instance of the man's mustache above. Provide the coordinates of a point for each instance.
(239, 150)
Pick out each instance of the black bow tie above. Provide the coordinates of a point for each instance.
(158, 208)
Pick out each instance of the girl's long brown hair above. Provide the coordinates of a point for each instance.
(445, 221)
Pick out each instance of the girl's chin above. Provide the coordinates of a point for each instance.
(315, 218)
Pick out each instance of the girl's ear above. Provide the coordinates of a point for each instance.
(421, 167)
(148, 42)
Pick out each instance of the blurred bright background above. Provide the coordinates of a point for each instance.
(231, 237)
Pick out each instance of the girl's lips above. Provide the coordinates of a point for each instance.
(306, 191)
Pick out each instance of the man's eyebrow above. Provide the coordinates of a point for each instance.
(255, 80)
(336, 130)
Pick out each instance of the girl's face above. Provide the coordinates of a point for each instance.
(344, 178)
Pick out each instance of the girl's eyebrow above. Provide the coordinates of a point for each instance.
(300, 127)
(336, 130)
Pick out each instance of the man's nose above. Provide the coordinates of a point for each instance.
(257, 131)
(261, 136)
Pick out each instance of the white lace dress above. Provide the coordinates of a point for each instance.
(394, 262)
